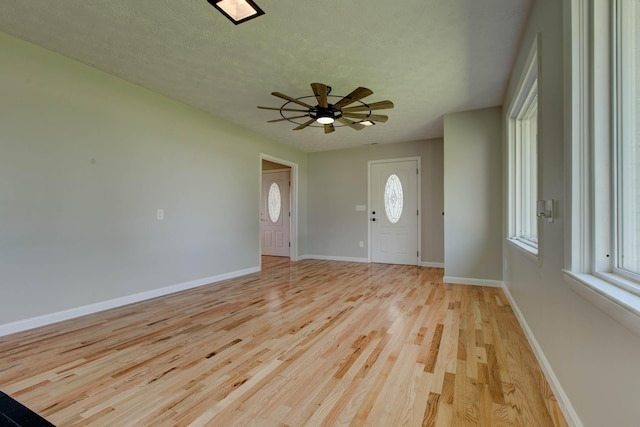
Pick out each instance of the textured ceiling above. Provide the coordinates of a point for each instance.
(430, 57)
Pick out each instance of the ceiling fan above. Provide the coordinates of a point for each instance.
(326, 113)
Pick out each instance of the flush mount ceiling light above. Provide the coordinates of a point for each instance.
(237, 11)
(349, 110)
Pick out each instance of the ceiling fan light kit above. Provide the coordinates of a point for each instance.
(325, 114)
(237, 11)
(325, 120)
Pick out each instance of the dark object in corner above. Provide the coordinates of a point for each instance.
(15, 414)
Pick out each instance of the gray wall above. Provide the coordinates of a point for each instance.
(86, 159)
(473, 201)
(594, 358)
(338, 182)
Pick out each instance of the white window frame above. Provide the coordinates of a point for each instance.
(590, 266)
(522, 152)
(622, 131)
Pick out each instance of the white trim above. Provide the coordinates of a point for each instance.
(525, 250)
(418, 161)
(334, 258)
(600, 169)
(527, 77)
(620, 304)
(363, 260)
(590, 270)
(578, 233)
(432, 264)
(569, 413)
(527, 92)
(473, 282)
(276, 170)
(293, 232)
(47, 319)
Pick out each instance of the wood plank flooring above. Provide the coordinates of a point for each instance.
(306, 343)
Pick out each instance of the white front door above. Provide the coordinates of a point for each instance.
(275, 213)
(394, 212)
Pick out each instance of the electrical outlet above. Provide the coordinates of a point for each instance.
(160, 214)
(361, 244)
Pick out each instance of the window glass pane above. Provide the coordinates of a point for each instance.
(275, 202)
(393, 198)
(629, 138)
(531, 189)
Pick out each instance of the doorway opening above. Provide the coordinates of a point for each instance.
(278, 207)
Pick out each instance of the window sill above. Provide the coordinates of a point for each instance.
(530, 251)
(620, 304)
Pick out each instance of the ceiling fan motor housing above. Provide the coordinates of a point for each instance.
(325, 113)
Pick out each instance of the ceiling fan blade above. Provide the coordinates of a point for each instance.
(329, 128)
(288, 98)
(354, 96)
(351, 124)
(382, 105)
(288, 118)
(320, 91)
(373, 117)
(283, 109)
(304, 125)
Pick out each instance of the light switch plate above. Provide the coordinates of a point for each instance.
(361, 208)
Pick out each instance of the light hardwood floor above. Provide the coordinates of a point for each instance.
(305, 343)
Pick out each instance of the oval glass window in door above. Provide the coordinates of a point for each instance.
(393, 198)
(275, 202)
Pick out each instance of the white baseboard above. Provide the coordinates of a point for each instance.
(47, 319)
(473, 282)
(569, 413)
(333, 258)
(365, 260)
(432, 264)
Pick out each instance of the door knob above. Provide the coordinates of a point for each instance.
(373, 219)
(373, 213)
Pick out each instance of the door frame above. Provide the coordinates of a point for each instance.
(293, 205)
(286, 217)
(419, 201)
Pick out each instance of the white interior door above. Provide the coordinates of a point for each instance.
(275, 213)
(394, 212)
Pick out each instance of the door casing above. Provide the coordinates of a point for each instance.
(282, 177)
(293, 230)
